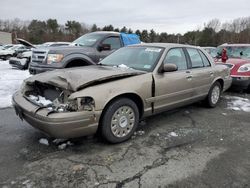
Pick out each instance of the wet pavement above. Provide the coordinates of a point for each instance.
(192, 146)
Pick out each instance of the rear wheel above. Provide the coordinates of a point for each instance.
(214, 95)
(120, 120)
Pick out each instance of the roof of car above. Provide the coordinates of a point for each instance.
(166, 45)
(208, 47)
(105, 32)
(235, 45)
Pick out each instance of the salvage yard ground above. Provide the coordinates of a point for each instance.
(190, 147)
(10, 80)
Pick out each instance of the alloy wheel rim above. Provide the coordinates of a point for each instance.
(123, 121)
(215, 94)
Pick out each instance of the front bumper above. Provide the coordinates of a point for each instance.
(241, 82)
(19, 63)
(58, 125)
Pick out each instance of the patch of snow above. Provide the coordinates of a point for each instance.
(40, 100)
(224, 114)
(221, 139)
(173, 134)
(78, 167)
(238, 103)
(10, 81)
(235, 98)
(58, 141)
(62, 146)
(70, 143)
(44, 141)
(26, 182)
(140, 133)
(122, 66)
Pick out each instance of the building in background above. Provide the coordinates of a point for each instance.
(5, 38)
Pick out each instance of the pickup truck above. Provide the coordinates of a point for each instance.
(89, 49)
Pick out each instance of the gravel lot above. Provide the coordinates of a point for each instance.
(192, 146)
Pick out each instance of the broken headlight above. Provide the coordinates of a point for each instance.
(79, 104)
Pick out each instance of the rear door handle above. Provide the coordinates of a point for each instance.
(189, 76)
(211, 74)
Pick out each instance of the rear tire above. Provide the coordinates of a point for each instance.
(120, 120)
(214, 95)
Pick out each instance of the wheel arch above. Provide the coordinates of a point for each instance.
(132, 96)
(221, 82)
(77, 60)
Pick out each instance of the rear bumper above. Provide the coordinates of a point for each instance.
(241, 82)
(58, 125)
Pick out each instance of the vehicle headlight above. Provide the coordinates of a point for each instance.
(244, 68)
(54, 58)
(74, 105)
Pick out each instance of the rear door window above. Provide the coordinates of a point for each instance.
(176, 56)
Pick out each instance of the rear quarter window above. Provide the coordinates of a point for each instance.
(204, 59)
(195, 58)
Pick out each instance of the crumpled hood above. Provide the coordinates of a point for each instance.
(78, 78)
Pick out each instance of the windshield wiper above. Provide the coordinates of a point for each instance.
(102, 64)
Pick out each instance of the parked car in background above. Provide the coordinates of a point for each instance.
(54, 44)
(239, 63)
(3, 47)
(89, 49)
(6, 46)
(22, 60)
(5, 54)
(211, 50)
(131, 83)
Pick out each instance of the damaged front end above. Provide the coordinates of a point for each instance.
(51, 110)
(55, 99)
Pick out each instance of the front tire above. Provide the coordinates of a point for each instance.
(120, 120)
(214, 95)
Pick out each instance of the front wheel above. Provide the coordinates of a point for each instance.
(120, 120)
(214, 95)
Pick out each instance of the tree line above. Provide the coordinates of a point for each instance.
(213, 32)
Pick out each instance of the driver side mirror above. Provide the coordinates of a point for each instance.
(104, 47)
(169, 67)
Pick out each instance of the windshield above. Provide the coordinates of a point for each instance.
(87, 39)
(139, 58)
(236, 51)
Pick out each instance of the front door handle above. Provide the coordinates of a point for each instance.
(189, 77)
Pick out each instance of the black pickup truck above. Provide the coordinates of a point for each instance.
(89, 49)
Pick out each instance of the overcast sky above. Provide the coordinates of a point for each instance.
(171, 16)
